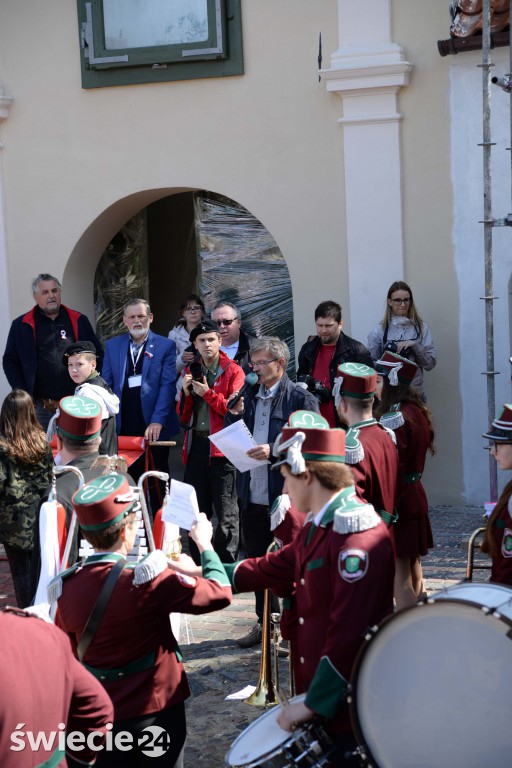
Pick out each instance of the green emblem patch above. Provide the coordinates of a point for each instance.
(353, 564)
(506, 544)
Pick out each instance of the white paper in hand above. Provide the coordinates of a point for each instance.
(182, 508)
(234, 442)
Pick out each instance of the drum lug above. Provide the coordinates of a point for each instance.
(371, 632)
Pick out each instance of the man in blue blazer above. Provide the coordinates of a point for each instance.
(140, 366)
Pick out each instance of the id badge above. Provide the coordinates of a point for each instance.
(135, 381)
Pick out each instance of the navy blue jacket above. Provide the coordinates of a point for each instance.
(158, 390)
(20, 356)
(290, 397)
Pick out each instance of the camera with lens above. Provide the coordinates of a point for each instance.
(318, 389)
(391, 346)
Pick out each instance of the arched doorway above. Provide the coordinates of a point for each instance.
(195, 241)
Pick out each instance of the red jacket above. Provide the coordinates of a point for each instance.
(134, 641)
(230, 379)
(344, 585)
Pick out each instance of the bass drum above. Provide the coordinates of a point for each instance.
(432, 687)
(264, 744)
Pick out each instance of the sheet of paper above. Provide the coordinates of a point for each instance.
(181, 508)
(234, 442)
(243, 694)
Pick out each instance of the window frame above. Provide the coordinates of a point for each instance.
(220, 55)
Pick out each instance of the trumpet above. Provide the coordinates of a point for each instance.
(267, 689)
(265, 693)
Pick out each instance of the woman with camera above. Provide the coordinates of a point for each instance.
(404, 332)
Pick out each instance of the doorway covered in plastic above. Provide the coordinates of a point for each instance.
(195, 242)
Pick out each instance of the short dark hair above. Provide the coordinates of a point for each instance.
(80, 446)
(329, 309)
(330, 474)
(106, 538)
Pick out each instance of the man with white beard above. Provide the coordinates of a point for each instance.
(140, 366)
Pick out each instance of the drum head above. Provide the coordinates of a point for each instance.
(259, 739)
(492, 596)
(432, 689)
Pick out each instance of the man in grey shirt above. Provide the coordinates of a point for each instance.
(265, 409)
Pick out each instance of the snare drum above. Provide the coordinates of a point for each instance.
(264, 744)
(432, 687)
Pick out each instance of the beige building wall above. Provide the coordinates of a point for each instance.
(428, 221)
(77, 164)
(268, 139)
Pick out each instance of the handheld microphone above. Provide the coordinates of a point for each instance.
(250, 380)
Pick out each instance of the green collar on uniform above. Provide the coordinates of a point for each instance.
(328, 515)
(361, 424)
(103, 557)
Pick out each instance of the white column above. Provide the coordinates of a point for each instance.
(5, 316)
(367, 72)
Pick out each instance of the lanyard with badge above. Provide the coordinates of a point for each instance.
(135, 380)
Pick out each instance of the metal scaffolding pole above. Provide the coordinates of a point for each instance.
(489, 298)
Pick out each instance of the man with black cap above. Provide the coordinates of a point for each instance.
(78, 427)
(207, 388)
(130, 647)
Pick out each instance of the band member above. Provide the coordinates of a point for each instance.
(133, 651)
(498, 535)
(402, 409)
(342, 565)
(370, 448)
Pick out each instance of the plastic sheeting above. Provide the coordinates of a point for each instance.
(121, 275)
(240, 262)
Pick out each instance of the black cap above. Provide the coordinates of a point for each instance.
(206, 326)
(77, 349)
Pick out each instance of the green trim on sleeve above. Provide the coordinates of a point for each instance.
(213, 568)
(230, 569)
(327, 690)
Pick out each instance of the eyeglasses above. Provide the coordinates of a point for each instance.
(193, 309)
(261, 363)
(225, 322)
(397, 302)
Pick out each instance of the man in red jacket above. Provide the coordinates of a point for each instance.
(208, 384)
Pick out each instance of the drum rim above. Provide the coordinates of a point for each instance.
(372, 633)
(295, 699)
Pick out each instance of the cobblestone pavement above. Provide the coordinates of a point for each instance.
(217, 667)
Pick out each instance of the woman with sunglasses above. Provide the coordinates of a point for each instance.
(498, 534)
(404, 332)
